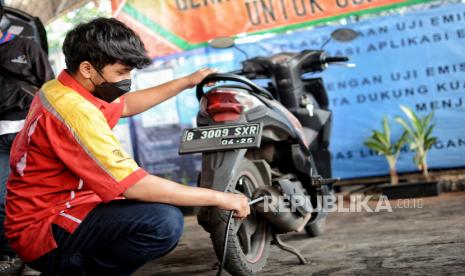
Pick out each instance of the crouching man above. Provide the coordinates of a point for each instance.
(76, 202)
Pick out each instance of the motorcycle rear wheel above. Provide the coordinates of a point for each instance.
(249, 240)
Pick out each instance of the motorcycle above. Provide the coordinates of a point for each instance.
(265, 141)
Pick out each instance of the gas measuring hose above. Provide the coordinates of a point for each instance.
(226, 234)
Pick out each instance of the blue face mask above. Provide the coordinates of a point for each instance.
(110, 91)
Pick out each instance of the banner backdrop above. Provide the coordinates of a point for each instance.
(169, 26)
(416, 59)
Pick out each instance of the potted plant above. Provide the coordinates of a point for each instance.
(419, 136)
(381, 143)
(418, 133)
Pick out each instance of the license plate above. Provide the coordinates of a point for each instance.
(216, 138)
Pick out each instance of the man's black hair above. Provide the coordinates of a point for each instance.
(104, 41)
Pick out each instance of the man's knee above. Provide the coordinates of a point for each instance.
(167, 225)
(155, 237)
(173, 224)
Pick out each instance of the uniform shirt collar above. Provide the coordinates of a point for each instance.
(67, 80)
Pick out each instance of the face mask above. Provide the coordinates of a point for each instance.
(110, 91)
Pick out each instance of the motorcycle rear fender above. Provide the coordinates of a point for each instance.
(219, 169)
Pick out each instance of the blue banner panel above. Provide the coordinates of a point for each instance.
(416, 59)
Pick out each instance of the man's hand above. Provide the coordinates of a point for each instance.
(198, 76)
(237, 202)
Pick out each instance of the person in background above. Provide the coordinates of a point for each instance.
(23, 68)
(77, 204)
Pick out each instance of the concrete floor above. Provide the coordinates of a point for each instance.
(414, 241)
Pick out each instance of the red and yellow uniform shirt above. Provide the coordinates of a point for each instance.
(64, 162)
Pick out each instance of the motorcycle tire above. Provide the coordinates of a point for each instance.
(249, 240)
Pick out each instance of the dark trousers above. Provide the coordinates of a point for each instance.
(116, 238)
(6, 140)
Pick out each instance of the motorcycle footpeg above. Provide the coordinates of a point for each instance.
(324, 181)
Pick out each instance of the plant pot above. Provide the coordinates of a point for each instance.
(411, 189)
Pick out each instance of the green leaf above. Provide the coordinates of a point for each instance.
(411, 116)
(379, 148)
(404, 124)
(429, 131)
(402, 140)
(381, 137)
(426, 122)
(429, 143)
(387, 130)
(373, 141)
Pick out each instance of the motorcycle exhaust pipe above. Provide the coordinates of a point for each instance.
(277, 212)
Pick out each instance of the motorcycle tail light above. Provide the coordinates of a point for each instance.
(227, 105)
(222, 106)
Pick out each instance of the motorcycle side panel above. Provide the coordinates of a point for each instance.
(219, 168)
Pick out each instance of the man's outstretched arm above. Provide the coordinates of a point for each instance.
(156, 189)
(139, 101)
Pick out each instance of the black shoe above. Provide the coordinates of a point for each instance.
(29, 271)
(9, 266)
